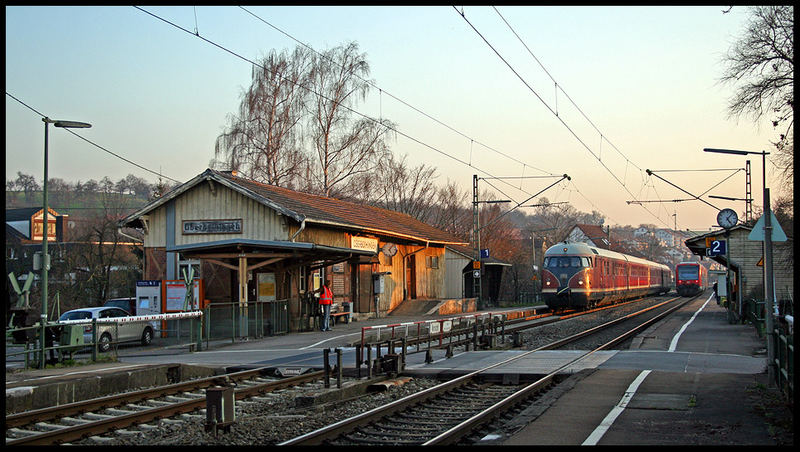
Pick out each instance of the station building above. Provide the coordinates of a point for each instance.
(249, 242)
(745, 260)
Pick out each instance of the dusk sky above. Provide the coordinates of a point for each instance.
(644, 79)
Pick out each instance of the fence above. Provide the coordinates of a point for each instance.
(782, 341)
(263, 318)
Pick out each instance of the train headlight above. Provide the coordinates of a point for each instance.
(580, 282)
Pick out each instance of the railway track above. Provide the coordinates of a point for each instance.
(444, 407)
(450, 411)
(74, 421)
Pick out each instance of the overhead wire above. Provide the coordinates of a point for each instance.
(383, 91)
(549, 108)
(93, 143)
(311, 90)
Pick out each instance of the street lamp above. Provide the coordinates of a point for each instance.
(769, 290)
(45, 222)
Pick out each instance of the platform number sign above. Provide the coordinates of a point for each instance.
(716, 248)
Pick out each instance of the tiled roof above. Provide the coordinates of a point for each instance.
(22, 214)
(323, 210)
(331, 212)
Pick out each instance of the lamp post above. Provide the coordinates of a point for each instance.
(45, 223)
(769, 290)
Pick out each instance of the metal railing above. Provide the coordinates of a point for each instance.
(782, 342)
(225, 321)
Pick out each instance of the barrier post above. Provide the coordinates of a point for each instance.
(94, 339)
(325, 358)
(369, 361)
(358, 361)
(403, 354)
(338, 368)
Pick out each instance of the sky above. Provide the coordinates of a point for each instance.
(601, 94)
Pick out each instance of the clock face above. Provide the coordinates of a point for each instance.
(727, 218)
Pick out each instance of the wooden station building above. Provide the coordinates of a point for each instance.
(248, 241)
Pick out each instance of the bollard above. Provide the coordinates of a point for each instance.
(220, 408)
(326, 356)
(428, 356)
(358, 361)
(403, 354)
(449, 352)
(339, 368)
(516, 338)
(369, 361)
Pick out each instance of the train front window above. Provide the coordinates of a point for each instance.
(688, 273)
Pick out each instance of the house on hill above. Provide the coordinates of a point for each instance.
(592, 234)
(253, 243)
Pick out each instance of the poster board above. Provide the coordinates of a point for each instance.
(266, 287)
(174, 293)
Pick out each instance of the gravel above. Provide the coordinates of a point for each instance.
(266, 422)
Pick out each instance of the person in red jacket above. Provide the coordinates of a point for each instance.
(325, 300)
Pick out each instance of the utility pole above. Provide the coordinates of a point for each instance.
(476, 251)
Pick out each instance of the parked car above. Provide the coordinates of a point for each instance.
(111, 332)
(128, 304)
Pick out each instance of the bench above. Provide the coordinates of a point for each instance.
(334, 316)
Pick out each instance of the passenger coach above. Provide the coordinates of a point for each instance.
(691, 278)
(576, 275)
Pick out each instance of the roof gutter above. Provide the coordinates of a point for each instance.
(302, 226)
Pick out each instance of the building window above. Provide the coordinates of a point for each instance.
(186, 264)
(303, 279)
(432, 261)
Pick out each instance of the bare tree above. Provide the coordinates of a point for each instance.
(28, 185)
(264, 140)
(452, 212)
(342, 145)
(396, 186)
(761, 65)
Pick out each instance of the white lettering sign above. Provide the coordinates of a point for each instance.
(364, 243)
(434, 327)
(447, 325)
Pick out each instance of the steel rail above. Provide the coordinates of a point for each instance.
(102, 426)
(317, 437)
(458, 431)
(69, 409)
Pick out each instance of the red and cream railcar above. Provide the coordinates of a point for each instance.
(576, 275)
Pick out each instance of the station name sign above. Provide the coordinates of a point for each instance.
(212, 226)
(364, 243)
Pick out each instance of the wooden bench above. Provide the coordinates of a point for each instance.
(334, 316)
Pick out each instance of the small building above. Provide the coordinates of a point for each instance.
(24, 228)
(251, 242)
(592, 234)
(745, 259)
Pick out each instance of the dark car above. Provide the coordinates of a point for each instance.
(128, 304)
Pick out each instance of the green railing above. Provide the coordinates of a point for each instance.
(227, 321)
(783, 344)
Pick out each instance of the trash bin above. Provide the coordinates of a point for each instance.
(347, 307)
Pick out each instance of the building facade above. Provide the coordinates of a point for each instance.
(250, 242)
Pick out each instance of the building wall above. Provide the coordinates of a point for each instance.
(746, 253)
(259, 222)
(454, 280)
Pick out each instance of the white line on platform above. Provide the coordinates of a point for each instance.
(605, 424)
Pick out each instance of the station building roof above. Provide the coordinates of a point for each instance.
(313, 209)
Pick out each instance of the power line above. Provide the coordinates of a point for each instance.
(311, 90)
(555, 113)
(93, 143)
(383, 91)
